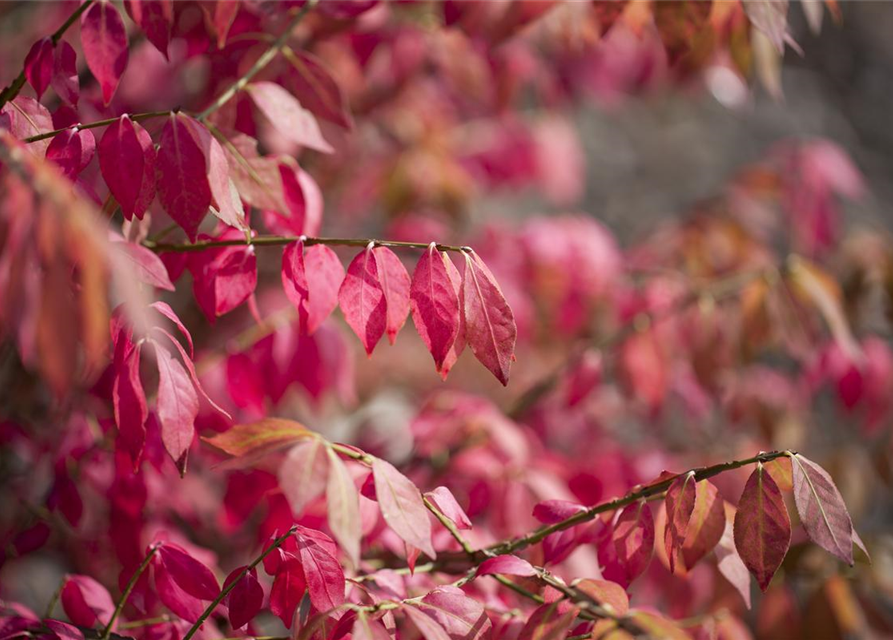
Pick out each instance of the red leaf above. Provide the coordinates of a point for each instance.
(507, 565)
(680, 503)
(315, 88)
(324, 277)
(131, 411)
(458, 345)
(362, 299)
(65, 73)
(155, 18)
(489, 323)
(323, 573)
(26, 118)
(822, 510)
(643, 368)
(344, 507)
(127, 160)
(235, 279)
(294, 276)
(288, 589)
(303, 473)
(190, 575)
(183, 186)
(246, 598)
(287, 115)
(608, 594)
(104, 39)
(395, 284)
(174, 598)
(39, 65)
(402, 506)
(224, 15)
(706, 525)
(177, 407)
(428, 627)
(72, 150)
(190, 366)
(259, 438)
(762, 528)
(633, 538)
(86, 602)
(446, 503)
(434, 304)
(729, 562)
(551, 621)
(165, 309)
(147, 266)
(63, 630)
(225, 201)
(462, 617)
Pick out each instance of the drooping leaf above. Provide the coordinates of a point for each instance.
(104, 39)
(822, 510)
(762, 527)
(508, 565)
(402, 507)
(434, 304)
(680, 504)
(395, 285)
(39, 65)
(72, 150)
(294, 276)
(606, 593)
(235, 279)
(190, 575)
(344, 507)
(446, 503)
(316, 89)
(183, 186)
(428, 626)
(288, 588)
(174, 597)
(26, 117)
(707, 523)
(224, 15)
(324, 277)
(86, 602)
(177, 407)
(550, 621)
(489, 323)
(259, 438)
(65, 74)
(287, 115)
(225, 201)
(155, 18)
(147, 266)
(303, 473)
(246, 598)
(462, 617)
(458, 345)
(633, 537)
(131, 410)
(127, 160)
(729, 562)
(322, 572)
(362, 299)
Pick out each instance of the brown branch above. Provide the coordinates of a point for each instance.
(136, 117)
(267, 241)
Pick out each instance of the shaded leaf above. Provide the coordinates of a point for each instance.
(395, 285)
(633, 537)
(303, 473)
(729, 562)
(680, 504)
(362, 299)
(402, 507)
(177, 407)
(183, 186)
(86, 602)
(551, 621)
(344, 507)
(72, 150)
(65, 74)
(104, 39)
(287, 115)
(246, 598)
(39, 65)
(127, 160)
(762, 527)
(189, 574)
(822, 510)
(155, 18)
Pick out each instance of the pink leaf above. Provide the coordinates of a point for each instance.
(507, 565)
(434, 304)
(344, 507)
(822, 510)
(86, 602)
(303, 473)
(130, 407)
(183, 186)
(26, 118)
(608, 594)
(174, 597)
(729, 562)
(246, 598)
(366, 629)
(428, 627)
(680, 503)
(402, 506)
(224, 197)
(127, 160)
(104, 39)
(165, 309)
(395, 284)
(235, 280)
(287, 115)
(324, 277)
(316, 89)
(147, 266)
(458, 345)
(446, 503)
(762, 527)
(362, 299)
(324, 576)
(39, 65)
(489, 323)
(551, 621)
(294, 276)
(177, 407)
(72, 150)
(462, 617)
(288, 589)
(633, 537)
(189, 574)
(65, 73)
(63, 630)
(155, 18)
(190, 367)
(224, 15)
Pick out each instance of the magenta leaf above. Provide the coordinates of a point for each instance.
(225, 201)
(316, 89)
(324, 277)
(190, 574)
(86, 602)
(489, 323)
(762, 527)
(366, 629)
(446, 503)
(362, 299)
(428, 627)
(174, 597)
(551, 621)
(508, 565)
(104, 39)
(131, 411)
(680, 504)
(165, 309)
(245, 599)
(183, 186)
(63, 630)
(39, 65)
(434, 304)
(822, 510)
(344, 507)
(127, 160)
(155, 18)
(190, 366)
(395, 284)
(287, 115)
(26, 117)
(303, 473)
(633, 538)
(235, 278)
(462, 617)
(294, 276)
(288, 588)
(177, 407)
(322, 572)
(458, 345)
(147, 266)
(72, 150)
(65, 73)
(402, 506)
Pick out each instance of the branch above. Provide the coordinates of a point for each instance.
(136, 117)
(16, 85)
(267, 241)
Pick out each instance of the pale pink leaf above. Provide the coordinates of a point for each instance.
(462, 617)
(177, 407)
(489, 323)
(729, 562)
(427, 626)
(303, 473)
(362, 299)
(402, 506)
(147, 266)
(287, 115)
(446, 503)
(344, 507)
(822, 510)
(104, 39)
(434, 304)
(507, 565)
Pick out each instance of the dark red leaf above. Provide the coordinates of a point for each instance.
(174, 597)
(39, 65)
(246, 598)
(127, 160)
(155, 18)
(762, 527)
(72, 150)
(189, 574)
(434, 304)
(104, 39)
(65, 74)
(362, 299)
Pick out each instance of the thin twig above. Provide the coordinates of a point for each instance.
(277, 241)
(127, 590)
(136, 117)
